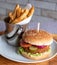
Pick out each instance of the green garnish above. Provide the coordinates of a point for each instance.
(21, 50)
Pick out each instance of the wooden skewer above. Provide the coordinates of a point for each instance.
(38, 26)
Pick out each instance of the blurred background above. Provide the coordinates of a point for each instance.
(45, 10)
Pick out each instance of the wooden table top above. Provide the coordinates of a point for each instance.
(53, 61)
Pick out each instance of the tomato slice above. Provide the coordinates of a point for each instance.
(23, 44)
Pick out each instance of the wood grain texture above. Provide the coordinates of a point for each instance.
(4, 61)
(53, 61)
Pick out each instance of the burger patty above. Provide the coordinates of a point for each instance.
(39, 50)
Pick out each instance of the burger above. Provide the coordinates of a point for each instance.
(35, 44)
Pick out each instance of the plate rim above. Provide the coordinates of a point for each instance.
(15, 60)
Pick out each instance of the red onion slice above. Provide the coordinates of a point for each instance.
(41, 46)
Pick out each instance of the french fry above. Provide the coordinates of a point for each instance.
(10, 20)
(24, 14)
(11, 16)
(22, 10)
(14, 12)
(31, 11)
(18, 12)
(25, 18)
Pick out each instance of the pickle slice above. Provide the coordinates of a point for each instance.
(33, 48)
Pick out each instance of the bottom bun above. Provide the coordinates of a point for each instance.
(44, 55)
(37, 56)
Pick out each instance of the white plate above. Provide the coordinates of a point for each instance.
(9, 52)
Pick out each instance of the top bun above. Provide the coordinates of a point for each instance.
(37, 38)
